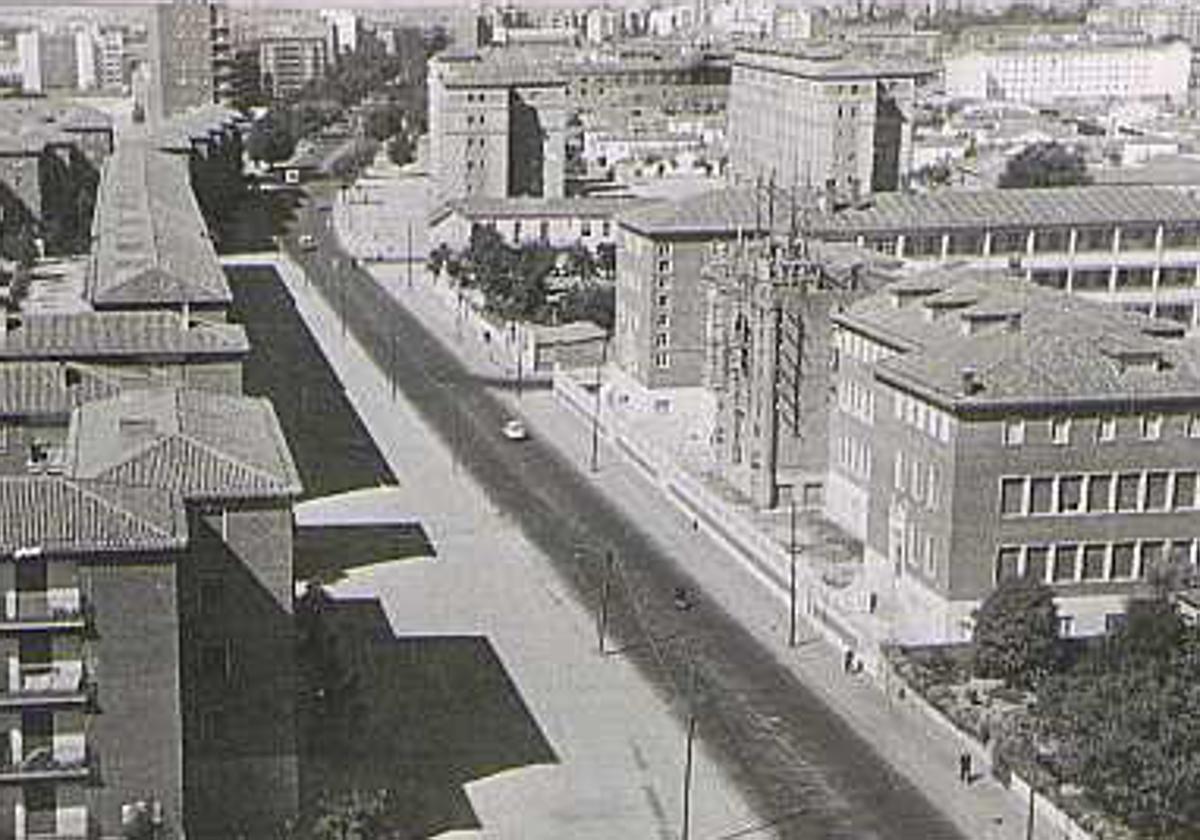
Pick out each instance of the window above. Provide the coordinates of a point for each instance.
(1012, 494)
(663, 300)
(1060, 431)
(1014, 432)
(1193, 425)
(1128, 487)
(662, 360)
(1106, 430)
(1122, 561)
(1095, 558)
(664, 266)
(662, 339)
(1151, 426)
(1183, 495)
(1041, 495)
(1181, 553)
(1070, 493)
(211, 596)
(1152, 559)
(585, 229)
(1007, 563)
(215, 662)
(212, 725)
(1099, 493)
(1064, 563)
(1113, 622)
(1156, 491)
(1035, 562)
(1066, 625)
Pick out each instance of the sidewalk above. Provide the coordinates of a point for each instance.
(919, 748)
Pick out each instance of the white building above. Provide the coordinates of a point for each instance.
(1045, 72)
(87, 60)
(344, 25)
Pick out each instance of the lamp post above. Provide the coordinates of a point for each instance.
(792, 548)
(596, 410)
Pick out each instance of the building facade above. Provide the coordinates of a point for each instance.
(1045, 72)
(181, 49)
(497, 128)
(287, 64)
(987, 428)
(818, 118)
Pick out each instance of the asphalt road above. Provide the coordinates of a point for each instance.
(801, 766)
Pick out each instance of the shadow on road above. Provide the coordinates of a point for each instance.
(323, 553)
(419, 717)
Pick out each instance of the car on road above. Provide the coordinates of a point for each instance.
(308, 242)
(514, 430)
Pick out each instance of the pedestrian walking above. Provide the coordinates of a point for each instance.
(848, 661)
(964, 768)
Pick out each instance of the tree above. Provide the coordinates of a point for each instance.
(606, 257)
(400, 150)
(1045, 165)
(271, 139)
(356, 815)
(1016, 633)
(592, 303)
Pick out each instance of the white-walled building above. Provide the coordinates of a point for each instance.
(1046, 72)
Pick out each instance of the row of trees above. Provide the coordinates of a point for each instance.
(515, 280)
(1121, 719)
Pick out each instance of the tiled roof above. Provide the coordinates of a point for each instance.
(152, 245)
(201, 444)
(545, 207)
(37, 389)
(1092, 205)
(1022, 343)
(58, 515)
(826, 60)
(84, 335)
(721, 212)
(494, 68)
(196, 123)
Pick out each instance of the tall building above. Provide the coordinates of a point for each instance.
(190, 56)
(818, 118)
(48, 61)
(344, 30)
(286, 64)
(991, 429)
(497, 127)
(111, 59)
(87, 60)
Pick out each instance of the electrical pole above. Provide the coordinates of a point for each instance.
(410, 254)
(596, 410)
(792, 577)
(690, 749)
(602, 620)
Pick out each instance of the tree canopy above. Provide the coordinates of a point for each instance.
(1045, 165)
(1016, 632)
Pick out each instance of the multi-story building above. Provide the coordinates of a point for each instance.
(1135, 246)
(648, 79)
(286, 64)
(185, 38)
(817, 117)
(1099, 67)
(48, 61)
(986, 427)
(113, 71)
(496, 127)
(769, 360)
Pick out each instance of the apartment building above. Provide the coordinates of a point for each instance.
(190, 56)
(496, 127)
(1138, 247)
(558, 222)
(1088, 68)
(288, 63)
(986, 427)
(48, 61)
(628, 79)
(818, 117)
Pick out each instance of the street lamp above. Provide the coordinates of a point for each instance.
(596, 410)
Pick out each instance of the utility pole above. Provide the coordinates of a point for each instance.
(602, 619)
(596, 410)
(688, 761)
(410, 254)
(792, 578)
(392, 364)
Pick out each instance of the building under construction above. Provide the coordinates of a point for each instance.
(769, 358)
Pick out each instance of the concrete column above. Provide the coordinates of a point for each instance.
(1116, 242)
(945, 245)
(987, 243)
(900, 243)
(1030, 242)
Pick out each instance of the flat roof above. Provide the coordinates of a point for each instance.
(525, 207)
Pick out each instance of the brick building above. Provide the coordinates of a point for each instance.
(986, 427)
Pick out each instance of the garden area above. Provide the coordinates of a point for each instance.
(1107, 728)
(533, 282)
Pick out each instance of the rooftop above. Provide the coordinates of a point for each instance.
(95, 335)
(502, 208)
(493, 68)
(827, 60)
(60, 516)
(39, 389)
(201, 444)
(1022, 344)
(152, 245)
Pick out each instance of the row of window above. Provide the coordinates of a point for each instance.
(921, 481)
(1093, 562)
(1038, 241)
(1152, 491)
(915, 548)
(857, 400)
(922, 416)
(860, 347)
(854, 456)
(1059, 429)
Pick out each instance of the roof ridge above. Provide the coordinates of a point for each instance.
(217, 453)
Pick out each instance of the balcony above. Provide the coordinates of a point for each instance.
(52, 609)
(40, 764)
(49, 684)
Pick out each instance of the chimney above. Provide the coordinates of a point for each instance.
(970, 381)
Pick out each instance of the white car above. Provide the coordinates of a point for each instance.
(308, 242)
(514, 430)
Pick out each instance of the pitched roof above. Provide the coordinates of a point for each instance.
(38, 389)
(152, 244)
(522, 207)
(84, 335)
(60, 515)
(201, 444)
(1022, 344)
(714, 213)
